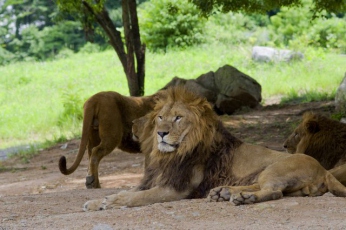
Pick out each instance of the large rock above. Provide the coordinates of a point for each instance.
(227, 89)
(340, 97)
(268, 54)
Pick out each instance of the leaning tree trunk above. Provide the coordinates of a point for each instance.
(133, 59)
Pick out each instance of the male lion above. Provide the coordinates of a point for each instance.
(107, 124)
(192, 152)
(320, 137)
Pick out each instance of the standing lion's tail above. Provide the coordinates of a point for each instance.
(334, 186)
(87, 123)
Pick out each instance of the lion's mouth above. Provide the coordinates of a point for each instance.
(173, 145)
(166, 147)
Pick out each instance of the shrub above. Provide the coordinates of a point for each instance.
(170, 23)
(236, 28)
(73, 107)
(294, 27)
(89, 48)
(329, 33)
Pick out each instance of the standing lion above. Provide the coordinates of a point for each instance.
(107, 124)
(192, 153)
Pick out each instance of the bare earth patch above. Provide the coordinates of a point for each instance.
(36, 195)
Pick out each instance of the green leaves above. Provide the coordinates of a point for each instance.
(208, 6)
(294, 26)
(170, 23)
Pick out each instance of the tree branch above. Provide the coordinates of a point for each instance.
(115, 40)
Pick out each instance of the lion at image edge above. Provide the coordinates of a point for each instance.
(322, 138)
(192, 155)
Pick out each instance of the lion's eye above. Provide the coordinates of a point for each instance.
(160, 118)
(177, 118)
(296, 135)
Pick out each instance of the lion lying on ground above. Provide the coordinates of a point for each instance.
(107, 124)
(320, 137)
(192, 152)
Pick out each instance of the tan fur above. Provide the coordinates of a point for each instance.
(192, 152)
(140, 130)
(107, 124)
(320, 137)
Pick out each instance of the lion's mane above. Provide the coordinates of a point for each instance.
(208, 143)
(320, 137)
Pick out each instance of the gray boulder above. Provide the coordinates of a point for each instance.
(227, 89)
(340, 97)
(268, 54)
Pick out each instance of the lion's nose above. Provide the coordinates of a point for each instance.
(285, 146)
(162, 134)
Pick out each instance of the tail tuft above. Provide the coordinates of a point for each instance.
(62, 165)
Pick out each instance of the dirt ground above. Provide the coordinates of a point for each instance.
(36, 195)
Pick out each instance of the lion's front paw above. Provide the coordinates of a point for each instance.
(121, 199)
(219, 194)
(93, 205)
(243, 198)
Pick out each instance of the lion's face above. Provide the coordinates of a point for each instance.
(300, 138)
(181, 122)
(173, 123)
(138, 127)
(293, 140)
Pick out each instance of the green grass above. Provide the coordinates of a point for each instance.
(33, 94)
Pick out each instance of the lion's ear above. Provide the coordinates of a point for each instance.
(312, 126)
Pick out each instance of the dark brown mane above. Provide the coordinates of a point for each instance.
(328, 144)
(177, 172)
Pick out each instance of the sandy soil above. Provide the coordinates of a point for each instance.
(35, 195)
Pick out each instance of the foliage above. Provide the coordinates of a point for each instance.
(6, 57)
(329, 33)
(73, 104)
(165, 24)
(237, 28)
(170, 23)
(89, 48)
(16, 15)
(29, 31)
(292, 27)
(35, 44)
(208, 7)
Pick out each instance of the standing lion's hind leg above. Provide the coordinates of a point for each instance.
(94, 142)
(108, 141)
(92, 179)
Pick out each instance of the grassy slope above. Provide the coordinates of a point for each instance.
(31, 94)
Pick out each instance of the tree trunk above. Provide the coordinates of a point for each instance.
(135, 74)
(138, 46)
